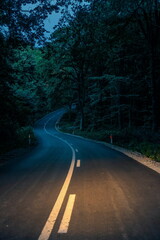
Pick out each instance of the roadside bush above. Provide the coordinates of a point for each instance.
(23, 135)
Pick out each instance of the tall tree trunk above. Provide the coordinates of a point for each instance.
(81, 99)
(129, 117)
(154, 90)
(82, 118)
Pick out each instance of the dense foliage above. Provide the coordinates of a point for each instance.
(110, 50)
(20, 89)
(104, 56)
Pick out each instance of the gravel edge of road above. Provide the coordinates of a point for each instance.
(137, 156)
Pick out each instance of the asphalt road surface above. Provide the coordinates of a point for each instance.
(70, 188)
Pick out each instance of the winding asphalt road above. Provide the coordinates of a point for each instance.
(70, 188)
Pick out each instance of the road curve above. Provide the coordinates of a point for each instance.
(72, 188)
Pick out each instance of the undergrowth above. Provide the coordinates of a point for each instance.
(20, 140)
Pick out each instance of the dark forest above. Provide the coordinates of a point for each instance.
(103, 57)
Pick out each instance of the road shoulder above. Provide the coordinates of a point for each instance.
(137, 156)
(150, 163)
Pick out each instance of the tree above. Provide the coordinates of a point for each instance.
(147, 16)
(19, 28)
(22, 25)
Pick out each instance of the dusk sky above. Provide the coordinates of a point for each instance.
(50, 22)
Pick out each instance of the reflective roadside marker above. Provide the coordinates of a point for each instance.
(111, 138)
(29, 139)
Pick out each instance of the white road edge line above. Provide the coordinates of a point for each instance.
(67, 215)
(78, 163)
(48, 227)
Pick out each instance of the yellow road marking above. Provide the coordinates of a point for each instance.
(67, 215)
(48, 227)
(78, 163)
